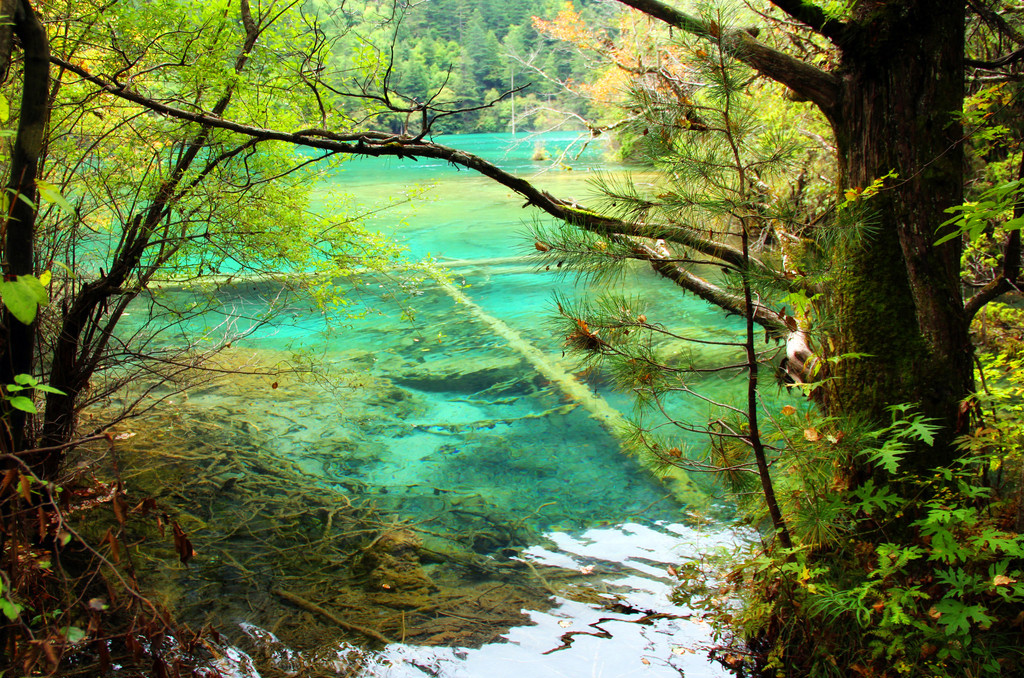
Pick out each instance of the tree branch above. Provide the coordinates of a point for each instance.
(815, 19)
(989, 16)
(806, 81)
(381, 144)
(1005, 60)
(1007, 280)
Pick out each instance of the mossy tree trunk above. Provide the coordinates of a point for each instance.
(900, 94)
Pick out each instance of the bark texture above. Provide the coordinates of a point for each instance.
(899, 301)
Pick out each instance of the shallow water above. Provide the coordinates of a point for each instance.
(442, 421)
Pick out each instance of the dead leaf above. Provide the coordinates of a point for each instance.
(182, 544)
(1002, 580)
(9, 477)
(542, 246)
(51, 654)
(565, 623)
(115, 546)
(145, 506)
(104, 653)
(812, 435)
(788, 410)
(675, 452)
(119, 509)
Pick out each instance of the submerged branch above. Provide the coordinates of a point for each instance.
(313, 607)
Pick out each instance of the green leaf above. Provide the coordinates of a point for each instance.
(25, 380)
(24, 404)
(5, 109)
(10, 609)
(956, 616)
(50, 193)
(23, 297)
(74, 634)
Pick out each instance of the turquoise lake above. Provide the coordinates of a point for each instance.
(450, 418)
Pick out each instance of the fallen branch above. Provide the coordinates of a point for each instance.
(313, 607)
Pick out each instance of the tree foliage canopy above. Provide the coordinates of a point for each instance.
(178, 139)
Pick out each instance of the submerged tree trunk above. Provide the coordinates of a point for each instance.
(899, 301)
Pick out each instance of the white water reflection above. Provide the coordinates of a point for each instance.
(638, 631)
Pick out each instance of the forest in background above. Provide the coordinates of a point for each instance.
(469, 53)
(852, 169)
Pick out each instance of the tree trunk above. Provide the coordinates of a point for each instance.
(18, 349)
(899, 301)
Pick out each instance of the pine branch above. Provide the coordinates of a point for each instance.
(806, 81)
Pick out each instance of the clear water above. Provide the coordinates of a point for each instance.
(441, 408)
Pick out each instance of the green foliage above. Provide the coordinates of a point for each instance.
(24, 295)
(25, 382)
(8, 607)
(899, 438)
(994, 206)
(919, 576)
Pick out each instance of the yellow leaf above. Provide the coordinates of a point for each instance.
(1002, 580)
